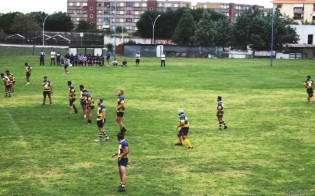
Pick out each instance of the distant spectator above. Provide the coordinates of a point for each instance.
(42, 58)
(58, 56)
(162, 59)
(101, 59)
(115, 62)
(53, 57)
(138, 58)
(108, 54)
(124, 62)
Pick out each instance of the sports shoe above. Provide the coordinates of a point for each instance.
(178, 144)
(98, 140)
(121, 189)
(190, 147)
(50, 105)
(106, 138)
(225, 127)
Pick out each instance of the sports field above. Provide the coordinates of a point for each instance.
(268, 149)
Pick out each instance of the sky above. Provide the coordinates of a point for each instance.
(51, 6)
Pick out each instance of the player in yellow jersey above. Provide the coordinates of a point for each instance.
(47, 91)
(89, 105)
(309, 85)
(28, 71)
(83, 101)
(12, 80)
(73, 109)
(7, 85)
(101, 120)
(220, 112)
(184, 129)
(123, 151)
(120, 110)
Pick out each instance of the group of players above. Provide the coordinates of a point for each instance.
(87, 104)
(8, 82)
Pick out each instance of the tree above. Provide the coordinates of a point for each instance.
(6, 20)
(25, 25)
(121, 29)
(84, 25)
(223, 29)
(59, 21)
(205, 30)
(185, 30)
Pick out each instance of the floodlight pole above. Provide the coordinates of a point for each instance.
(153, 24)
(43, 21)
(272, 24)
(115, 30)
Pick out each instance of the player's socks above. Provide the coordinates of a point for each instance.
(71, 109)
(187, 142)
(75, 109)
(105, 134)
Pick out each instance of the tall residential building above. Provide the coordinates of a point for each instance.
(231, 10)
(101, 12)
(299, 10)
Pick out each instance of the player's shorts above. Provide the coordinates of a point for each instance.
(83, 102)
(71, 100)
(309, 91)
(123, 162)
(7, 87)
(120, 114)
(183, 131)
(46, 93)
(28, 74)
(137, 60)
(91, 107)
(220, 115)
(100, 123)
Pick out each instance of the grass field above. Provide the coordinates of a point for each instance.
(268, 148)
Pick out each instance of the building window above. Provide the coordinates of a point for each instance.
(313, 17)
(129, 12)
(128, 4)
(128, 19)
(279, 6)
(91, 15)
(100, 5)
(151, 8)
(91, 8)
(310, 39)
(298, 16)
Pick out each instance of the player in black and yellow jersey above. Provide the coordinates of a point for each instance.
(101, 120)
(47, 91)
(220, 112)
(309, 85)
(7, 85)
(83, 101)
(28, 71)
(73, 109)
(184, 129)
(12, 80)
(89, 105)
(123, 151)
(120, 110)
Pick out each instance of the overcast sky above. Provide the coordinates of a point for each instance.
(51, 6)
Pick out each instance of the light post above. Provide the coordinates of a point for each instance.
(153, 24)
(43, 22)
(81, 35)
(115, 30)
(272, 24)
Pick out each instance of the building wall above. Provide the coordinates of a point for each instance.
(305, 32)
(299, 10)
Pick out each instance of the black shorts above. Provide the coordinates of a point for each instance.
(28, 74)
(120, 114)
(137, 60)
(46, 93)
(183, 131)
(100, 123)
(91, 107)
(123, 162)
(309, 91)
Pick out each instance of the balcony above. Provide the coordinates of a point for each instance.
(298, 10)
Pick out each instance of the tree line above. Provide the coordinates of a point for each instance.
(252, 28)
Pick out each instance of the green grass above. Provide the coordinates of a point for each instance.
(268, 148)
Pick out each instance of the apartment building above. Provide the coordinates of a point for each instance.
(299, 10)
(102, 12)
(231, 10)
